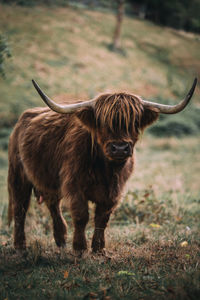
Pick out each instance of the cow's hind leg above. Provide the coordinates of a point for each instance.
(59, 224)
(19, 189)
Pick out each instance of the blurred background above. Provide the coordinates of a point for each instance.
(75, 50)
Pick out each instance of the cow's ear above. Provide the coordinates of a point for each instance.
(148, 117)
(87, 117)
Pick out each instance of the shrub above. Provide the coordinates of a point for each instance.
(35, 2)
(143, 206)
(182, 124)
(4, 53)
(4, 136)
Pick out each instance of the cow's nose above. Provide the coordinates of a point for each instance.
(120, 149)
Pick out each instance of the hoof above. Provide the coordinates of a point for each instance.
(62, 252)
(21, 252)
(61, 244)
(102, 253)
(80, 253)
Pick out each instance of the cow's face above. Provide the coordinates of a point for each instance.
(116, 146)
(115, 124)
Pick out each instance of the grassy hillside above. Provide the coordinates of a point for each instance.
(67, 51)
(153, 238)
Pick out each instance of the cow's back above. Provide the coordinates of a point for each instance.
(35, 145)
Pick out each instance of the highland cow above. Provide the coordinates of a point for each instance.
(81, 152)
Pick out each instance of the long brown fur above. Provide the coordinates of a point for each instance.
(64, 156)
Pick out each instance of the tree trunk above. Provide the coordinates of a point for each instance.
(117, 32)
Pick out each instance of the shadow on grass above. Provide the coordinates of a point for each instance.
(154, 270)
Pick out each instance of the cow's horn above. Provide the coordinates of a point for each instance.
(171, 109)
(68, 108)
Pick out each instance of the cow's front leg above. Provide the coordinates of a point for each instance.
(80, 216)
(59, 224)
(102, 214)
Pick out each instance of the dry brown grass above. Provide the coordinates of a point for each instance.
(68, 52)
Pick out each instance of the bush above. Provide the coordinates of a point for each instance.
(35, 2)
(3, 161)
(182, 124)
(4, 137)
(178, 14)
(4, 53)
(143, 207)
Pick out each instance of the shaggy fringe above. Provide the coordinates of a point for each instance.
(119, 112)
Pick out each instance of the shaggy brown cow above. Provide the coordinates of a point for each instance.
(80, 152)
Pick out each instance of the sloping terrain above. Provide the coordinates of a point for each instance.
(153, 238)
(67, 51)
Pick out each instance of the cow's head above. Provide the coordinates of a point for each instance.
(115, 120)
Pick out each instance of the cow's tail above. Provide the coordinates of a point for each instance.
(10, 210)
(10, 195)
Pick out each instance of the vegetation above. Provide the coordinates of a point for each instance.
(153, 238)
(185, 124)
(179, 14)
(4, 53)
(155, 70)
(152, 241)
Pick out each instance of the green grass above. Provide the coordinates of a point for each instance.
(146, 258)
(41, 274)
(67, 51)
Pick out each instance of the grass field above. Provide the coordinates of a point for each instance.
(153, 240)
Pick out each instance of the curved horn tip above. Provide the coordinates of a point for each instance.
(193, 87)
(33, 81)
(35, 84)
(68, 108)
